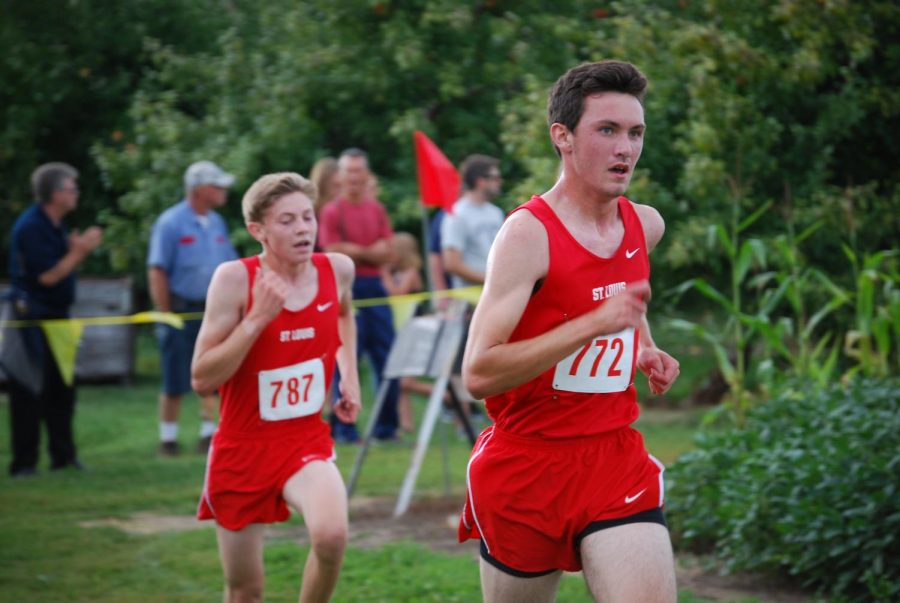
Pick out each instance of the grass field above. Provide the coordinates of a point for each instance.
(57, 541)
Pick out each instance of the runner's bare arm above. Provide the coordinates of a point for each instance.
(518, 259)
(661, 368)
(653, 224)
(349, 403)
(227, 333)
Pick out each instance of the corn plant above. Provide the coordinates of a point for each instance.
(874, 341)
(794, 339)
(731, 343)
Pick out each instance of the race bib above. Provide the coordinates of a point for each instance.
(292, 391)
(601, 366)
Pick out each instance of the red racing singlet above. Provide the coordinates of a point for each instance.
(592, 390)
(282, 383)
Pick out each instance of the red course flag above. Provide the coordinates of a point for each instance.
(438, 179)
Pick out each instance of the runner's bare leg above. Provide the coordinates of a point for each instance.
(241, 553)
(500, 587)
(318, 492)
(631, 562)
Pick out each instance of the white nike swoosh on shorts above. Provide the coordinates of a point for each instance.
(631, 499)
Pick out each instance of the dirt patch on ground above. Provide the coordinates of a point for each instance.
(429, 522)
(433, 522)
(708, 583)
(148, 523)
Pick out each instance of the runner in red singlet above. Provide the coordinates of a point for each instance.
(561, 481)
(271, 336)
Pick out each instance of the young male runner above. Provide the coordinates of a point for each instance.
(561, 481)
(274, 326)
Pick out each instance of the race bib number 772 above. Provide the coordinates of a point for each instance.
(601, 366)
(292, 391)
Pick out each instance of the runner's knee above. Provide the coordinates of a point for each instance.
(244, 593)
(329, 543)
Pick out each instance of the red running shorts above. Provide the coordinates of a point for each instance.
(532, 500)
(245, 477)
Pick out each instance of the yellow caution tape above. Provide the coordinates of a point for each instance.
(470, 294)
(64, 334)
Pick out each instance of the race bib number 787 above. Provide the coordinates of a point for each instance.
(601, 366)
(292, 391)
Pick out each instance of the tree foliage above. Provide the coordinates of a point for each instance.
(68, 73)
(319, 78)
(791, 102)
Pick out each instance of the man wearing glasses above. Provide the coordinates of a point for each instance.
(467, 233)
(42, 261)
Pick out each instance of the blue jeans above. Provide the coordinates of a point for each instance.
(374, 338)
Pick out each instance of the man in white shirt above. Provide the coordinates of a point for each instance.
(467, 233)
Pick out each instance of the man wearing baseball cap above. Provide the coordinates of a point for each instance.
(188, 242)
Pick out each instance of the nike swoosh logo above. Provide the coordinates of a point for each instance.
(323, 307)
(631, 499)
(630, 254)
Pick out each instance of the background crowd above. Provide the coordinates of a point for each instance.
(190, 240)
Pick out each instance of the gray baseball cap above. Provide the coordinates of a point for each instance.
(206, 173)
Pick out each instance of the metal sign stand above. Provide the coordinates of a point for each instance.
(426, 346)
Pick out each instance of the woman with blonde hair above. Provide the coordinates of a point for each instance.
(404, 274)
(325, 177)
(400, 277)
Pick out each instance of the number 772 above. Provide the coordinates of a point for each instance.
(615, 345)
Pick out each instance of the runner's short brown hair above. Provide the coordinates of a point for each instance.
(271, 187)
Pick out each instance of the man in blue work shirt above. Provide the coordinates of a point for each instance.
(188, 242)
(43, 257)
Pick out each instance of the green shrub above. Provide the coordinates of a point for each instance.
(808, 488)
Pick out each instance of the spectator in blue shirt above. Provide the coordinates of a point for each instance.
(42, 261)
(435, 259)
(188, 242)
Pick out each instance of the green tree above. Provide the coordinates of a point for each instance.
(299, 81)
(67, 74)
